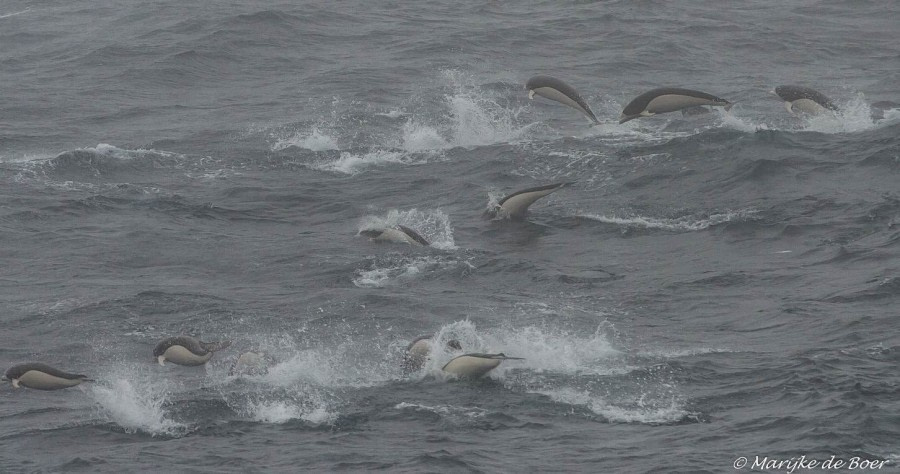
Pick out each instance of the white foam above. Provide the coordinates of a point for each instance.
(686, 223)
(136, 408)
(451, 412)
(396, 270)
(353, 163)
(665, 410)
(281, 411)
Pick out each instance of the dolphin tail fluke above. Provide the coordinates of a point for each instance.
(729, 106)
(216, 346)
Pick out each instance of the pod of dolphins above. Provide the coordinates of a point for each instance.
(188, 351)
(798, 100)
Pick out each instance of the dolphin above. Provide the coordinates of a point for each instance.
(473, 366)
(799, 99)
(185, 350)
(399, 233)
(555, 89)
(419, 350)
(515, 206)
(42, 377)
(669, 99)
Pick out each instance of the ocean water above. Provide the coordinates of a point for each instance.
(711, 287)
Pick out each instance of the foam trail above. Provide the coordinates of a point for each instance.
(687, 223)
(136, 408)
(392, 271)
(667, 411)
(353, 163)
(15, 13)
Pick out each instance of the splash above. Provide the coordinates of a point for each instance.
(314, 139)
(136, 408)
(854, 115)
(544, 348)
(337, 366)
(681, 224)
(417, 137)
(398, 270)
(281, 411)
(434, 225)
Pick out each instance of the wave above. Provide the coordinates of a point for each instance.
(85, 168)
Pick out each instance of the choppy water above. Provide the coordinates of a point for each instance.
(711, 287)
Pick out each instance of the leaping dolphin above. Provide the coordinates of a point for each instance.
(400, 234)
(515, 206)
(669, 99)
(800, 99)
(42, 377)
(555, 89)
(473, 366)
(186, 350)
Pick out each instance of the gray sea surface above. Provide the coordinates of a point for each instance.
(710, 287)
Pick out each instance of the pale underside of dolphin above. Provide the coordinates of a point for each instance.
(557, 90)
(515, 205)
(804, 100)
(669, 99)
(186, 350)
(476, 365)
(40, 376)
(399, 234)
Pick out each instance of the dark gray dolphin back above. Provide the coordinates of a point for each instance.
(18, 371)
(551, 82)
(413, 235)
(792, 93)
(640, 103)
